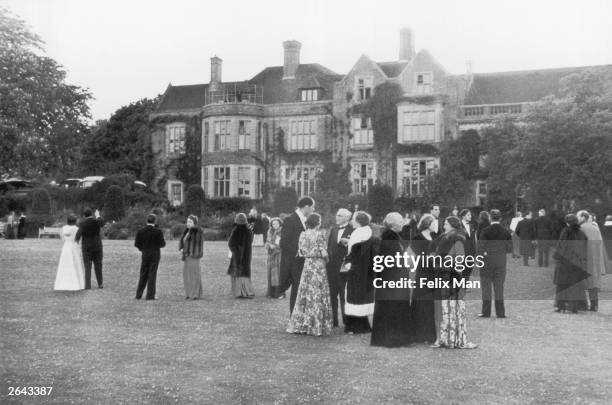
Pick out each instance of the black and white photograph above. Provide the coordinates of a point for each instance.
(305, 202)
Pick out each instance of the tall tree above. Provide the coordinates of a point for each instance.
(43, 120)
(122, 143)
(567, 150)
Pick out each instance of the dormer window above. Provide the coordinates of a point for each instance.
(364, 88)
(424, 82)
(310, 94)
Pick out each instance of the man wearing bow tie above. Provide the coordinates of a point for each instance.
(337, 250)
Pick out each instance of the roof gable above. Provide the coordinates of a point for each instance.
(183, 97)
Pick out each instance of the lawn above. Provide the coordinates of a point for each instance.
(102, 346)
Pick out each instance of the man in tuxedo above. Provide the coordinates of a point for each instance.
(91, 246)
(526, 233)
(470, 237)
(543, 233)
(149, 240)
(495, 243)
(434, 210)
(337, 250)
(291, 265)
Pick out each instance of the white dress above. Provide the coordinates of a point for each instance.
(70, 271)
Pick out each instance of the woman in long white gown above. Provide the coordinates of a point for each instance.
(70, 271)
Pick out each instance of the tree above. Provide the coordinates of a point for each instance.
(189, 169)
(333, 187)
(458, 166)
(380, 201)
(194, 201)
(122, 144)
(114, 206)
(567, 150)
(41, 202)
(43, 120)
(500, 143)
(285, 200)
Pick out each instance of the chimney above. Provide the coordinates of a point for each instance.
(215, 71)
(292, 58)
(406, 44)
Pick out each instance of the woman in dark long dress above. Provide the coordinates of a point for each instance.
(570, 269)
(453, 328)
(391, 323)
(239, 269)
(424, 324)
(359, 297)
(191, 246)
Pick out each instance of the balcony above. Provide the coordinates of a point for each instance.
(238, 92)
(478, 112)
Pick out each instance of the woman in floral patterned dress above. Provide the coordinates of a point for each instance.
(312, 314)
(453, 330)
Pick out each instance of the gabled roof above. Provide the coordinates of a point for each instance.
(311, 75)
(392, 69)
(183, 97)
(518, 86)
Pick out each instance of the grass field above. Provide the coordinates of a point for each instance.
(102, 346)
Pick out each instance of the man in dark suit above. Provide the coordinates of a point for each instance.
(526, 233)
(495, 243)
(149, 240)
(469, 231)
(91, 246)
(291, 265)
(543, 234)
(337, 251)
(434, 210)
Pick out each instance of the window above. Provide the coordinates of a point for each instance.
(415, 174)
(244, 182)
(259, 145)
(310, 94)
(424, 82)
(364, 175)
(364, 88)
(419, 126)
(176, 193)
(175, 139)
(221, 181)
(259, 183)
(481, 193)
(362, 131)
(244, 136)
(302, 178)
(303, 135)
(206, 133)
(222, 135)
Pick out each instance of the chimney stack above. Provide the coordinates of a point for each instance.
(292, 58)
(215, 71)
(406, 44)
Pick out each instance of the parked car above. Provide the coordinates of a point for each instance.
(89, 181)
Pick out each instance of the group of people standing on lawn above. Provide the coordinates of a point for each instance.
(322, 268)
(331, 273)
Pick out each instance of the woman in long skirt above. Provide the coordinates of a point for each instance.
(239, 269)
(359, 288)
(274, 254)
(312, 314)
(453, 328)
(191, 246)
(70, 270)
(391, 323)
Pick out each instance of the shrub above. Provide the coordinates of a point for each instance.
(118, 230)
(35, 222)
(41, 202)
(358, 200)
(285, 200)
(114, 206)
(380, 201)
(223, 206)
(177, 229)
(194, 202)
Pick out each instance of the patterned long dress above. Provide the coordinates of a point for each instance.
(312, 314)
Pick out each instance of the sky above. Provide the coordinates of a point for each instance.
(125, 50)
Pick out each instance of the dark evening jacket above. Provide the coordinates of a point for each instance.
(194, 246)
